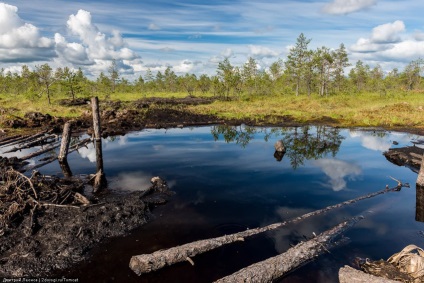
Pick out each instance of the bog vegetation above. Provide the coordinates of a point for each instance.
(306, 85)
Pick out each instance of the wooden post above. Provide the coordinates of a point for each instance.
(100, 181)
(420, 179)
(66, 170)
(96, 118)
(66, 138)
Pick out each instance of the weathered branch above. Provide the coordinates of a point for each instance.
(53, 158)
(146, 263)
(348, 274)
(41, 151)
(277, 266)
(31, 143)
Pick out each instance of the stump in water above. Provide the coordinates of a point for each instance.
(66, 138)
(279, 146)
(420, 179)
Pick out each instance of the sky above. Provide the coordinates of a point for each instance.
(193, 35)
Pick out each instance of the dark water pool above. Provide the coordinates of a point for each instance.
(227, 179)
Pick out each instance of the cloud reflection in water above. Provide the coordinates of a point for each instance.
(337, 170)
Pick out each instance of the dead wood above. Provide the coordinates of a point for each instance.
(348, 274)
(34, 143)
(146, 263)
(53, 158)
(14, 139)
(277, 266)
(66, 139)
(21, 196)
(27, 138)
(41, 151)
(7, 140)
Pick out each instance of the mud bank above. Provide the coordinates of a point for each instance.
(64, 235)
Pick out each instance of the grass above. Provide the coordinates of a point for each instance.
(361, 110)
(342, 110)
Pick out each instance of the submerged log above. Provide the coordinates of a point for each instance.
(277, 266)
(146, 263)
(348, 274)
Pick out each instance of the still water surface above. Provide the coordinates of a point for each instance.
(227, 180)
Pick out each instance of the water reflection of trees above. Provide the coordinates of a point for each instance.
(302, 143)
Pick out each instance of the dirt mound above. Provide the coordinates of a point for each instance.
(65, 234)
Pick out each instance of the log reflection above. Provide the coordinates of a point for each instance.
(419, 208)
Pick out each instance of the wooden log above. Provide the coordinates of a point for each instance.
(66, 170)
(66, 139)
(420, 178)
(53, 158)
(100, 181)
(7, 140)
(41, 151)
(348, 274)
(277, 266)
(27, 138)
(96, 118)
(32, 143)
(146, 263)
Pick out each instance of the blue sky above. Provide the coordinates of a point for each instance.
(193, 35)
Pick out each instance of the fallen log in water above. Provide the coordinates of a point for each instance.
(26, 138)
(41, 151)
(33, 143)
(146, 263)
(7, 140)
(348, 274)
(277, 266)
(53, 158)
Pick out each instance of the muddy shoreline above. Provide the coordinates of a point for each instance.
(65, 236)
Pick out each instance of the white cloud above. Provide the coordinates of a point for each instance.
(98, 45)
(88, 152)
(340, 7)
(19, 40)
(153, 26)
(74, 53)
(388, 33)
(227, 53)
(185, 66)
(385, 44)
(261, 52)
(419, 36)
(337, 170)
(134, 181)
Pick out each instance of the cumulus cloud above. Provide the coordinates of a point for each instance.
(98, 45)
(19, 40)
(337, 170)
(343, 7)
(382, 37)
(261, 52)
(386, 43)
(388, 33)
(186, 66)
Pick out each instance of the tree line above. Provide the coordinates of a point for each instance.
(303, 72)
